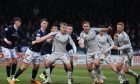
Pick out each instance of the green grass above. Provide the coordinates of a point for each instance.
(59, 76)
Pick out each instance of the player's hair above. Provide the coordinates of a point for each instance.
(70, 25)
(63, 24)
(121, 24)
(43, 20)
(54, 26)
(85, 22)
(16, 19)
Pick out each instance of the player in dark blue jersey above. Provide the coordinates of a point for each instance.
(10, 36)
(33, 53)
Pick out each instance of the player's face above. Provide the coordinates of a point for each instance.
(54, 29)
(69, 29)
(63, 28)
(120, 28)
(18, 23)
(86, 27)
(44, 24)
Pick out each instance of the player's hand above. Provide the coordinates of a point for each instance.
(115, 47)
(74, 56)
(33, 42)
(8, 42)
(78, 38)
(115, 37)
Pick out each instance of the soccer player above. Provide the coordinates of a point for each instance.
(59, 51)
(88, 40)
(33, 54)
(123, 44)
(106, 43)
(46, 51)
(10, 36)
(69, 49)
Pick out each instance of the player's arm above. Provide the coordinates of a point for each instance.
(110, 42)
(100, 29)
(127, 42)
(48, 36)
(74, 48)
(4, 35)
(81, 41)
(72, 44)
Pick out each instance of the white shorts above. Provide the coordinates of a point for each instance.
(107, 58)
(44, 57)
(91, 56)
(125, 58)
(9, 53)
(32, 57)
(59, 56)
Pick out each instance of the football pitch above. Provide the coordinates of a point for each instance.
(58, 76)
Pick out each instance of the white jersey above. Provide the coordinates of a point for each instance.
(123, 42)
(60, 41)
(90, 39)
(105, 41)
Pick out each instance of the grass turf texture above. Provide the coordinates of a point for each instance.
(80, 76)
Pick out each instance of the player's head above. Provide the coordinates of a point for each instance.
(54, 28)
(63, 27)
(69, 29)
(86, 26)
(17, 21)
(44, 23)
(120, 26)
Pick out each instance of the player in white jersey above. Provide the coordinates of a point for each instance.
(106, 43)
(123, 44)
(88, 40)
(59, 52)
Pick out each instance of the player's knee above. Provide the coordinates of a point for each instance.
(36, 67)
(69, 67)
(89, 68)
(125, 70)
(119, 68)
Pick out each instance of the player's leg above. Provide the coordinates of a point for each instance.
(14, 62)
(26, 62)
(23, 67)
(129, 71)
(91, 67)
(36, 64)
(51, 59)
(7, 55)
(119, 67)
(34, 73)
(97, 57)
(66, 62)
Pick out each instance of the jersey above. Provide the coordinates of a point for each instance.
(12, 34)
(37, 47)
(123, 41)
(105, 41)
(89, 39)
(60, 41)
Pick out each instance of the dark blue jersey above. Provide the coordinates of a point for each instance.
(74, 38)
(11, 34)
(46, 48)
(38, 46)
